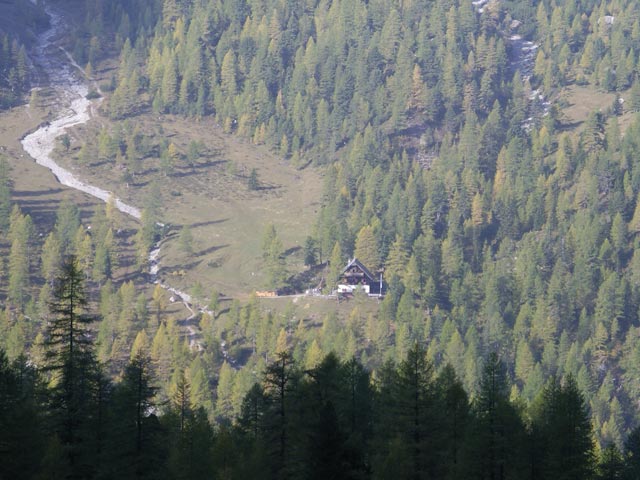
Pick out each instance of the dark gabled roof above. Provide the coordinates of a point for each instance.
(359, 264)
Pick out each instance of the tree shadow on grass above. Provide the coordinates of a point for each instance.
(37, 193)
(306, 279)
(207, 223)
(292, 250)
(563, 127)
(187, 171)
(209, 250)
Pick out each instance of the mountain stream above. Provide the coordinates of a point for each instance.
(71, 87)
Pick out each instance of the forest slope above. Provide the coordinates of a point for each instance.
(515, 233)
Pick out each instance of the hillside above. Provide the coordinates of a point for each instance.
(484, 154)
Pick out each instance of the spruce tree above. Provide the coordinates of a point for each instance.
(253, 183)
(310, 251)
(135, 447)
(566, 432)
(22, 441)
(72, 366)
(632, 454)
(496, 448)
(279, 379)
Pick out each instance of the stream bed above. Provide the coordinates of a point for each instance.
(71, 87)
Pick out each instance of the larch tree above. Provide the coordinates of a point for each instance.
(20, 233)
(366, 249)
(274, 257)
(5, 195)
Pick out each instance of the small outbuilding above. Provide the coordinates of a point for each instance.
(356, 276)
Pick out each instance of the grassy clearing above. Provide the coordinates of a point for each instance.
(581, 101)
(212, 197)
(227, 219)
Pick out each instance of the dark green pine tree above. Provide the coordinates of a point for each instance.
(22, 437)
(310, 251)
(252, 411)
(565, 432)
(408, 420)
(453, 405)
(495, 445)
(252, 424)
(327, 422)
(253, 183)
(191, 436)
(73, 369)
(632, 455)
(135, 440)
(356, 407)
(328, 455)
(279, 379)
(611, 465)
(416, 412)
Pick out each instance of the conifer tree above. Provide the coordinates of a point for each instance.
(20, 233)
(228, 80)
(273, 254)
(634, 101)
(186, 240)
(310, 251)
(366, 249)
(22, 444)
(71, 364)
(415, 410)
(564, 422)
(279, 379)
(253, 183)
(5, 195)
(224, 406)
(136, 448)
(632, 454)
(497, 448)
(335, 267)
(611, 465)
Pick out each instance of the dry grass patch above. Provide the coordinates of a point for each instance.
(212, 197)
(581, 101)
